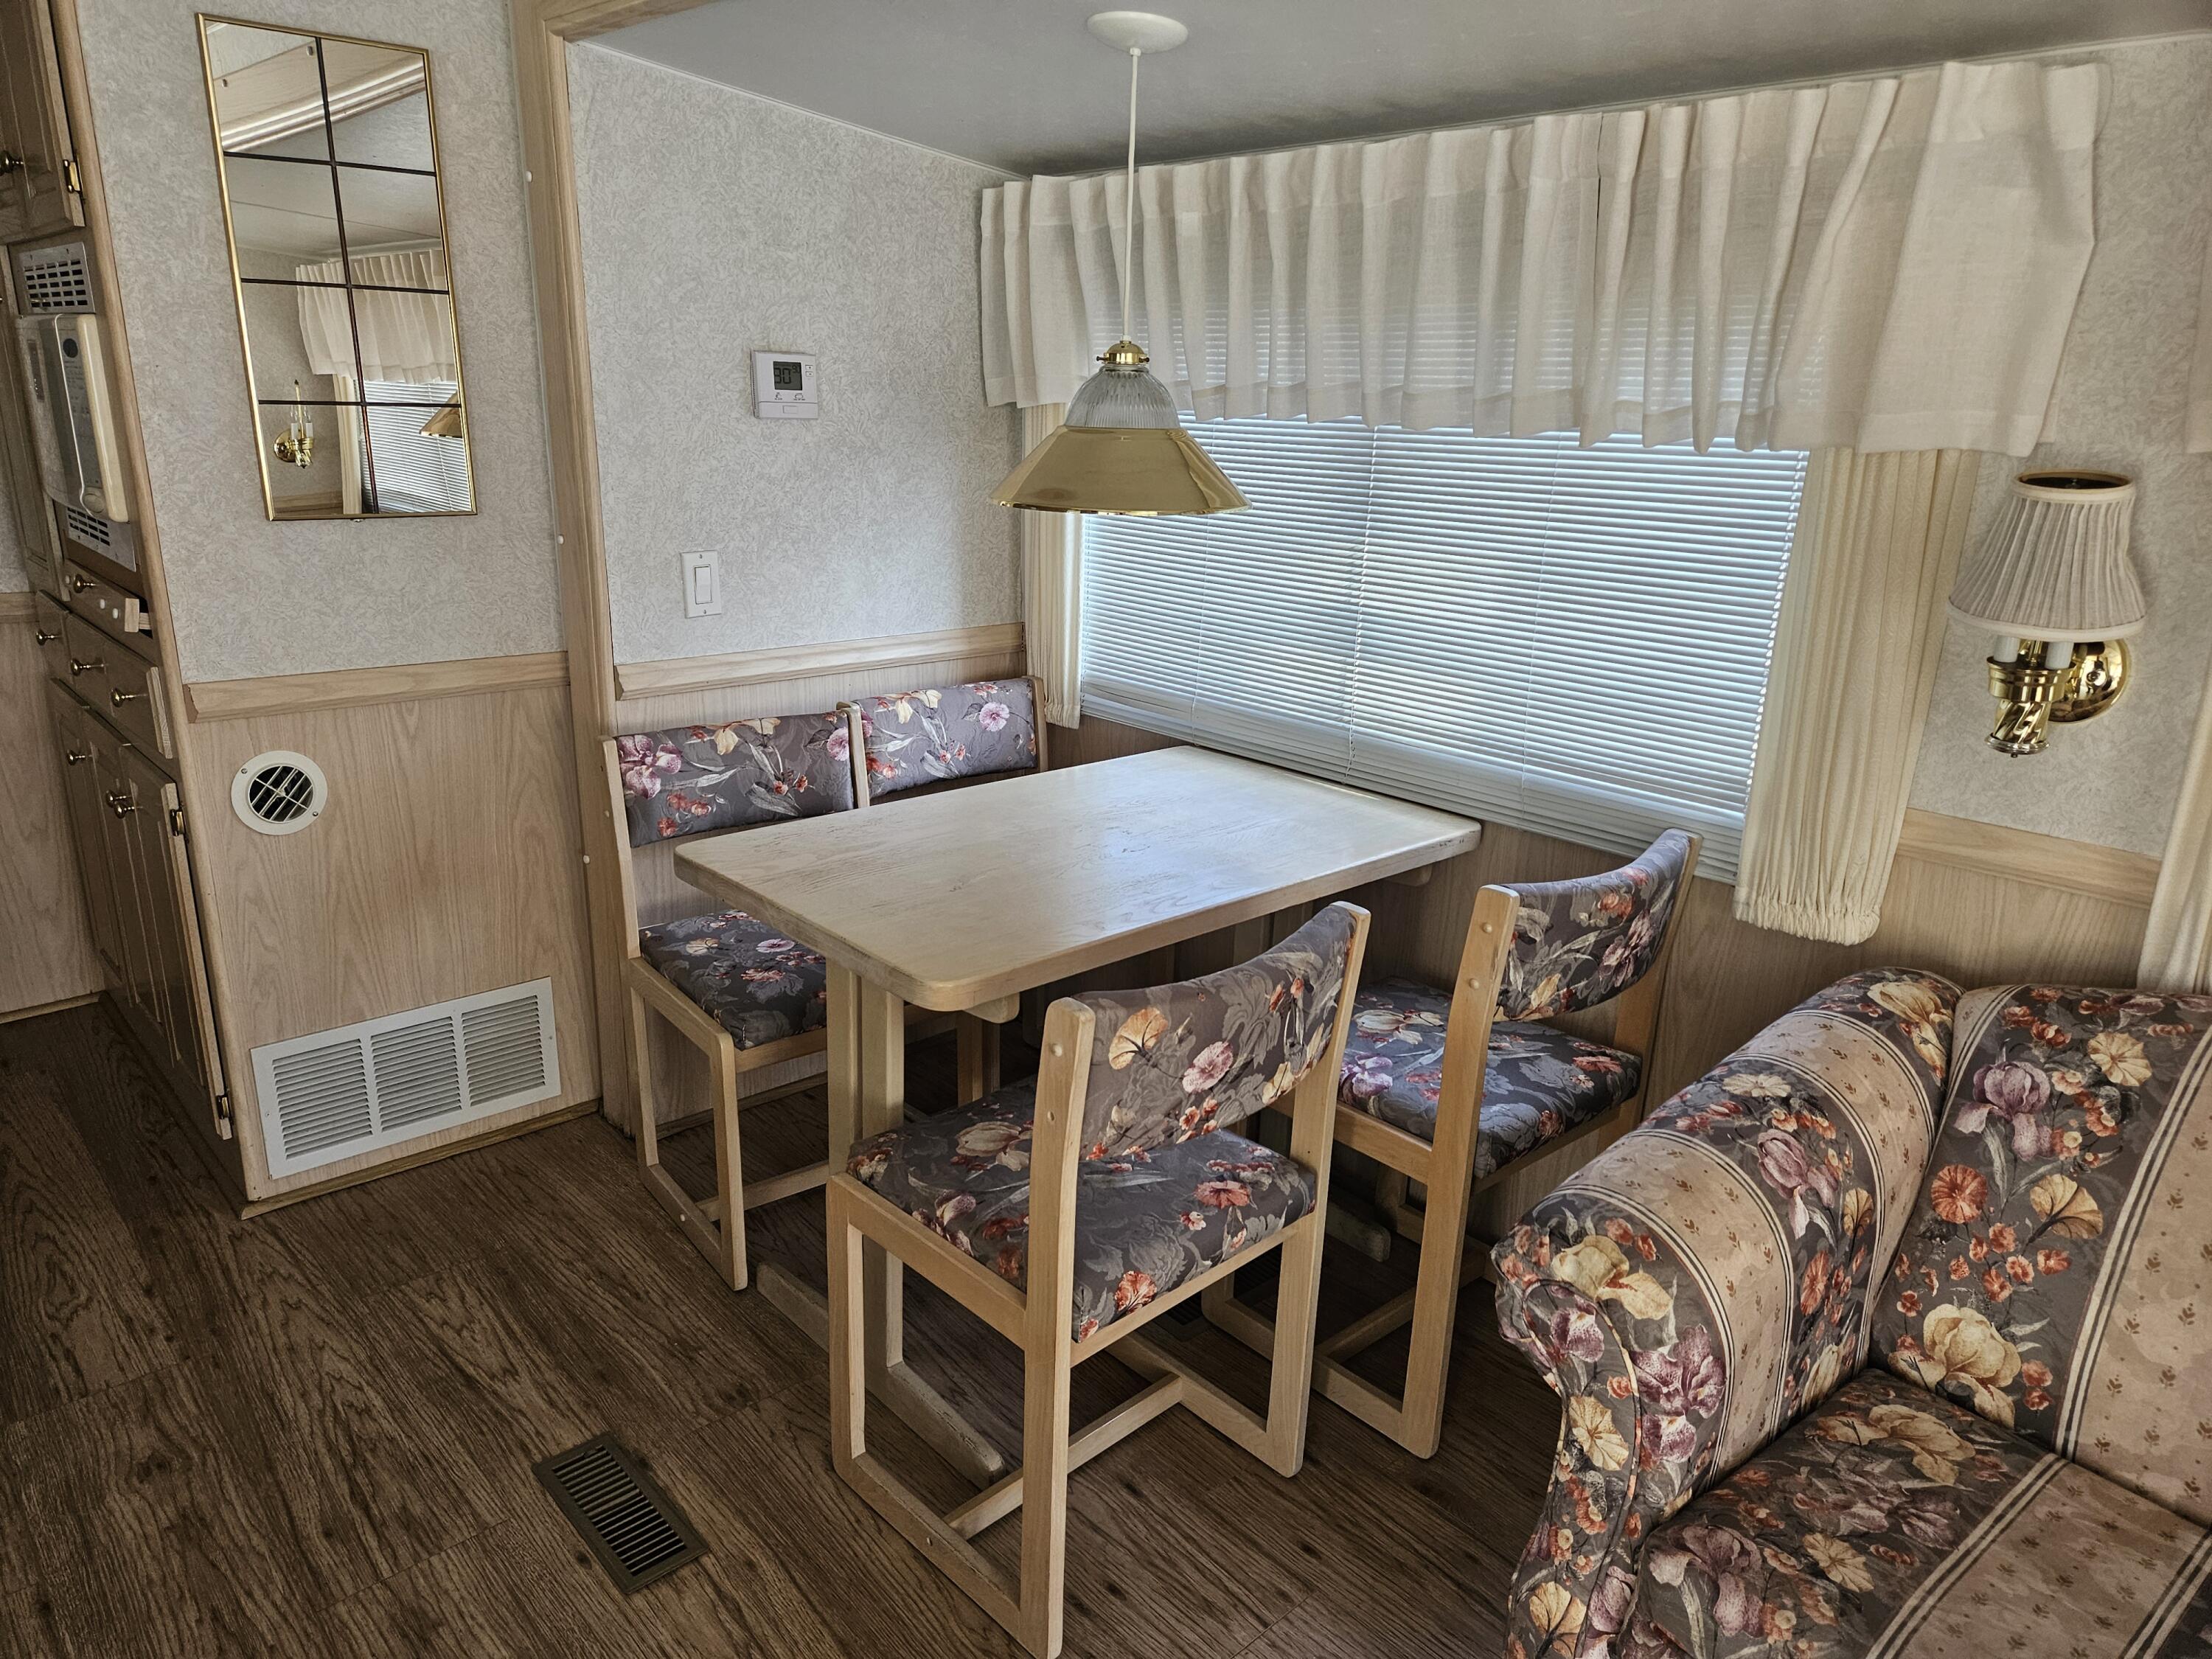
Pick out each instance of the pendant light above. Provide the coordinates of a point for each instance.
(1122, 448)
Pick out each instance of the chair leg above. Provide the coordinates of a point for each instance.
(1044, 1496)
(729, 1173)
(641, 1050)
(848, 1388)
(1436, 1306)
(1290, 1384)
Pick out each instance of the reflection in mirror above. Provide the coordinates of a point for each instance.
(267, 88)
(328, 151)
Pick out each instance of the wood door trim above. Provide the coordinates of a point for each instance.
(354, 688)
(672, 675)
(2073, 866)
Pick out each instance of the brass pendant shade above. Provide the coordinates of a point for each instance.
(1122, 448)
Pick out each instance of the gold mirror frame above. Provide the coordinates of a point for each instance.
(314, 132)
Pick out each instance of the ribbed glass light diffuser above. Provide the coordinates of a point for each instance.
(1121, 450)
(2055, 565)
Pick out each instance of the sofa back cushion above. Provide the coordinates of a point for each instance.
(2056, 1275)
(693, 778)
(949, 732)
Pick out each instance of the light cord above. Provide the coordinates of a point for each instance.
(1129, 198)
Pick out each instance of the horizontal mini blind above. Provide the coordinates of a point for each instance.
(415, 473)
(1572, 640)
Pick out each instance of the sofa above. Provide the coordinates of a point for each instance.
(1892, 1334)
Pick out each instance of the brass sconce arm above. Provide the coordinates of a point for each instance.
(2032, 694)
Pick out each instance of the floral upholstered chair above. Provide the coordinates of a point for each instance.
(1449, 1087)
(1069, 1212)
(731, 985)
(1886, 1337)
(946, 732)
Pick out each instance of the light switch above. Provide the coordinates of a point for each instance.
(702, 584)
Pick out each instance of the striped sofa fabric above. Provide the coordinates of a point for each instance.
(1890, 1335)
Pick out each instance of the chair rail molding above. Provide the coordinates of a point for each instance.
(679, 674)
(356, 688)
(2073, 866)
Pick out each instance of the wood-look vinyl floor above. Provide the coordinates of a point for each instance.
(311, 1434)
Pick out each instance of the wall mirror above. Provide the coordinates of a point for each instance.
(328, 152)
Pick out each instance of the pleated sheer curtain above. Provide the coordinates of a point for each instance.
(1882, 268)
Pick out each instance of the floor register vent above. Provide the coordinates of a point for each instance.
(631, 1525)
(335, 1094)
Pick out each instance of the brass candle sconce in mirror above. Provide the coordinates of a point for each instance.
(328, 152)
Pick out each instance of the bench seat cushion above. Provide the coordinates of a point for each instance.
(759, 985)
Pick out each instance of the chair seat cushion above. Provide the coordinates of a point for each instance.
(1144, 1221)
(760, 986)
(1537, 1083)
(1892, 1519)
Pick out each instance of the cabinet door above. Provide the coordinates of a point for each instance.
(80, 789)
(134, 903)
(36, 170)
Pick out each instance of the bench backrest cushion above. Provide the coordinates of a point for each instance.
(2056, 1275)
(972, 730)
(693, 778)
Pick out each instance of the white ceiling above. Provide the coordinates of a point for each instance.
(1019, 84)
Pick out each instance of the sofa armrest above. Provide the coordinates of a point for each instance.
(1704, 1279)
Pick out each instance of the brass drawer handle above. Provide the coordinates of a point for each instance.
(121, 805)
(45, 638)
(118, 698)
(81, 585)
(92, 667)
(10, 163)
(76, 756)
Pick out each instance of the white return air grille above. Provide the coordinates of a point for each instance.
(335, 1094)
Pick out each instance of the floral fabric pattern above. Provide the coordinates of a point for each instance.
(2030, 1275)
(693, 778)
(760, 986)
(949, 732)
(1182, 1059)
(1579, 943)
(1705, 1279)
(1816, 1545)
(1146, 1220)
(1537, 1083)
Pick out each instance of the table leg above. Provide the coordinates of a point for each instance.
(867, 1092)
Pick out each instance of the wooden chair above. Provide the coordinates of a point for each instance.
(1450, 1088)
(731, 987)
(1033, 1219)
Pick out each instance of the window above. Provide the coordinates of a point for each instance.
(1571, 639)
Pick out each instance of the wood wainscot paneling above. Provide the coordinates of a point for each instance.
(733, 688)
(1980, 904)
(48, 959)
(446, 862)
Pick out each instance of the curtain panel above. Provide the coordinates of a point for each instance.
(1052, 589)
(1887, 263)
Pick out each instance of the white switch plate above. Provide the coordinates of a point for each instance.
(702, 584)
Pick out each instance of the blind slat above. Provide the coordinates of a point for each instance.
(1570, 639)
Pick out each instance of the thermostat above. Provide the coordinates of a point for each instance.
(783, 385)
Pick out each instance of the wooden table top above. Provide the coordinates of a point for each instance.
(957, 899)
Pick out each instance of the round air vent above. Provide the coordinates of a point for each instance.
(279, 793)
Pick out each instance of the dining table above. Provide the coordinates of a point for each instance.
(962, 899)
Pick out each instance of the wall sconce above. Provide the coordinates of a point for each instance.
(2053, 581)
(295, 444)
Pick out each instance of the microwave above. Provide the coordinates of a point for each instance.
(73, 412)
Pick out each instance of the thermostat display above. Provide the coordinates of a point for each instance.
(783, 385)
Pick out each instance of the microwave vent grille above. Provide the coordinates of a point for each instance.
(56, 278)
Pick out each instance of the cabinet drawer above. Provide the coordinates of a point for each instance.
(122, 685)
(114, 610)
(50, 619)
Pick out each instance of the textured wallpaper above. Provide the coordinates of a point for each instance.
(716, 224)
(2121, 392)
(254, 598)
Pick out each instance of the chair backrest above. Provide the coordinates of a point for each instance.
(691, 778)
(2049, 1275)
(943, 733)
(1178, 1060)
(1580, 943)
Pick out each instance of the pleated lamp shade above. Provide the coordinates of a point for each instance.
(2055, 565)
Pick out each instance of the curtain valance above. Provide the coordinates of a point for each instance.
(1884, 263)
